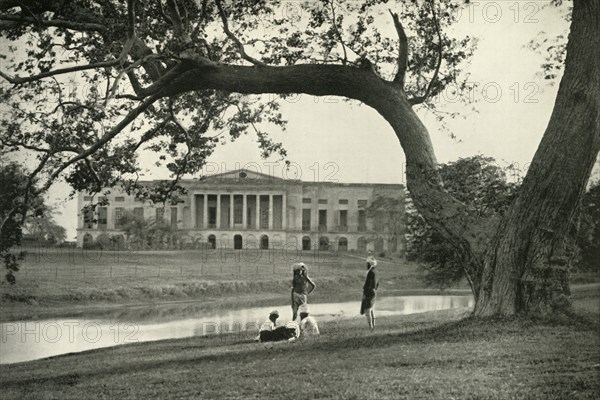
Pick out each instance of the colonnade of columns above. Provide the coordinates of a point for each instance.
(231, 223)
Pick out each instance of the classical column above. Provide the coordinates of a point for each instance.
(205, 212)
(284, 212)
(258, 211)
(218, 211)
(244, 212)
(270, 212)
(231, 210)
(193, 210)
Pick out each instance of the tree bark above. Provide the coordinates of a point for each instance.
(526, 272)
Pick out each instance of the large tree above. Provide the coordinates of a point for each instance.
(187, 62)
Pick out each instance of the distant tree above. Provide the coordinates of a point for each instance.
(43, 228)
(137, 229)
(147, 233)
(479, 183)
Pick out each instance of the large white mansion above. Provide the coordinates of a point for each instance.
(246, 209)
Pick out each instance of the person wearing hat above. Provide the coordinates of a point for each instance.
(369, 292)
(268, 326)
(308, 324)
(300, 290)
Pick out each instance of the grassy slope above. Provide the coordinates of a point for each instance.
(436, 355)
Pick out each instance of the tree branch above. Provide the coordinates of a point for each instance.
(234, 39)
(130, 18)
(18, 80)
(345, 60)
(421, 99)
(108, 136)
(58, 23)
(402, 51)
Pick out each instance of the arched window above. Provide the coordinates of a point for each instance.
(305, 243)
(212, 239)
(237, 242)
(343, 244)
(264, 242)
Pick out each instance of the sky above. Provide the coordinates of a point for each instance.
(328, 139)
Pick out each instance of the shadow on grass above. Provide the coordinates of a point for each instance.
(192, 352)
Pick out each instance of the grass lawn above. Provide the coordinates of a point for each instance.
(54, 281)
(435, 355)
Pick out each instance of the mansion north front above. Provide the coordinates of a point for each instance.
(246, 209)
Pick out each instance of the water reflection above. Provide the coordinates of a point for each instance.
(31, 340)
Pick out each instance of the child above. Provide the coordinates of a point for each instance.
(300, 291)
(308, 324)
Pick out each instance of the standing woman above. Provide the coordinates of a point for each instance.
(300, 291)
(369, 292)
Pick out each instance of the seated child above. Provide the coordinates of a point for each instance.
(308, 324)
(270, 332)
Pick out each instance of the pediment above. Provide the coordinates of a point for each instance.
(241, 175)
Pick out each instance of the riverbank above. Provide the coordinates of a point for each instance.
(434, 355)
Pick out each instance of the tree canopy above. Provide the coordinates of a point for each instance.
(126, 77)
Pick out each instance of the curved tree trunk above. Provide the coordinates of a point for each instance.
(527, 269)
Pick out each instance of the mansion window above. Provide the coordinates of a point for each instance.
(238, 209)
(102, 218)
(362, 220)
(343, 219)
(118, 216)
(306, 219)
(322, 220)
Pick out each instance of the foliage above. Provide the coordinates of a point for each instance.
(13, 209)
(478, 182)
(121, 52)
(141, 233)
(22, 218)
(552, 49)
(588, 234)
(44, 229)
